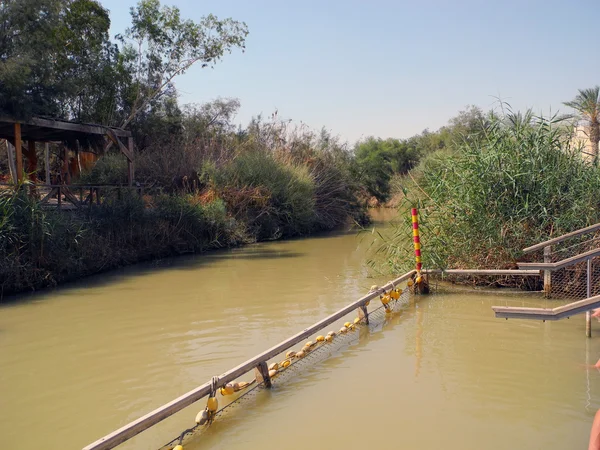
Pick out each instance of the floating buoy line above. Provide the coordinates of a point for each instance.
(312, 351)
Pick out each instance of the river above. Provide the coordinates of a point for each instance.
(82, 360)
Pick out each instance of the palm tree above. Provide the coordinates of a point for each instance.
(587, 104)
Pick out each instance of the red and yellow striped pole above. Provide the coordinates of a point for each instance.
(416, 240)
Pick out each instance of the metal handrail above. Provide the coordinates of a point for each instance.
(137, 426)
(562, 238)
(561, 312)
(567, 262)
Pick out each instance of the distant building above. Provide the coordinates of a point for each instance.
(581, 139)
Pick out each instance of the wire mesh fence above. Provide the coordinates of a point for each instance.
(572, 246)
(318, 353)
(572, 282)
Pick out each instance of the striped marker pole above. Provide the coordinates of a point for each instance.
(416, 240)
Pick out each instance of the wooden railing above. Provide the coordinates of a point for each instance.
(78, 195)
(143, 423)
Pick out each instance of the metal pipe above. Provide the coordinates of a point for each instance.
(588, 314)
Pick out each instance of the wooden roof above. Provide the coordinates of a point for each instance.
(41, 129)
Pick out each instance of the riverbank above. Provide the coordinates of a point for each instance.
(41, 248)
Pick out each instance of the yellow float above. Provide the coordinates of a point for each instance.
(227, 390)
(213, 404)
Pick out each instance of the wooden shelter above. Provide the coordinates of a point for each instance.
(80, 137)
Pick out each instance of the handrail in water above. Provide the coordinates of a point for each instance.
(137, 426)
(571, 309)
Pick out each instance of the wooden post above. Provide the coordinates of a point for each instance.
(18, 153)
(59, 198)
(363, 314)
(130, 166)
(262, 374)
(47, 161)
(65, 166)
(31, 160)
(547, 273)
(11, 161)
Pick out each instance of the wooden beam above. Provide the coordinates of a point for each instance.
(11, 161)
(66, 176)
(130, 163)
(69, 126)
(137, 426)
(47, 162)
(115, 139)
(564, 237)
(515, 272)
(31, 160)
(18, 152)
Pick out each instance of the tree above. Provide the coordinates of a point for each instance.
(587, 105)
(377, 160)
(160, 45)
(56, 59)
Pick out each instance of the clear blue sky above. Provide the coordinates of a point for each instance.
(394, 68)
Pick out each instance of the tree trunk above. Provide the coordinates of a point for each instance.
(594, 135)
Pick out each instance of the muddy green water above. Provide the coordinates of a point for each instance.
(82, 360)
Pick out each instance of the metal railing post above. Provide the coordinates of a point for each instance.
(547, 273)
(588, 314)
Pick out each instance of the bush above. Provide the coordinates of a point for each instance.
(272, 198)
(377, 160)
(109, 169)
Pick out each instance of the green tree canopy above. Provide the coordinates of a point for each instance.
(377, 160)
(56, 58)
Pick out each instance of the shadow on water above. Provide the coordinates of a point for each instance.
(183, 262)
(192, 261)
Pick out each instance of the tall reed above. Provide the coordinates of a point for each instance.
(520, 182)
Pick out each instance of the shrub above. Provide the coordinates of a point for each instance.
(273, 199)
(109, 169)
